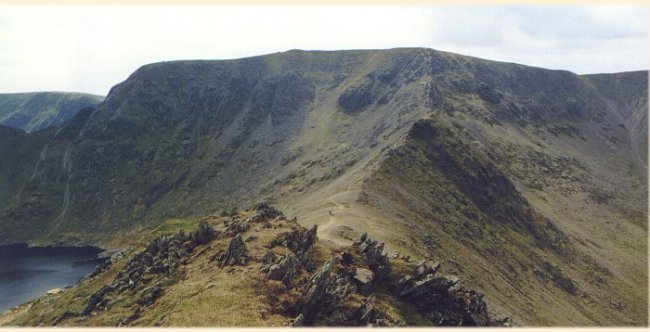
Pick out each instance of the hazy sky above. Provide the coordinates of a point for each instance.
(91, 48)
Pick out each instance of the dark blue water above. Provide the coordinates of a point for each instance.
(27, 273)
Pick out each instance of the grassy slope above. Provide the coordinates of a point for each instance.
(39, 110)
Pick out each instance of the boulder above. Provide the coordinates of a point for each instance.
(54, 291)
(363, 278)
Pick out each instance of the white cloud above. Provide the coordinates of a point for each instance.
(91, 48)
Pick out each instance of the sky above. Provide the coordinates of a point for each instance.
(92, 48)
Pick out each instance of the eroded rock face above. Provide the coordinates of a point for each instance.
(236, 254)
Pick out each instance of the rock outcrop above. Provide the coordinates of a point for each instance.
(308, 284)
(160, 260)
(236, 254)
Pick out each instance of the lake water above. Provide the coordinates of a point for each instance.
(27, 273)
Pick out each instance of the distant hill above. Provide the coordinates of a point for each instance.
(38, 110)
(531, 183)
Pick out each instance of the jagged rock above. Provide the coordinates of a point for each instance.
(369, 315)
(286, 268)
(504, 322)
(366, 311)
(439, 299)
(101, 268)
(364, 279)
(315, 293)
(374, 256)
(266, 212)
(237, 226)
(299, 242)
(236, 254)
(363, 239)
(117, 256)
(204, 234)
(430, 285)
(251, 238)
(423, 269)
(269, 258)
(96, 298)
(476, 313)
(128, 320)
(150, 295)
(323, 292)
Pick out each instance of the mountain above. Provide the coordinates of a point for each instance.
(530, 183)
(38, 110)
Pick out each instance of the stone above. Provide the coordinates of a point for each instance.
(54, 291)
(364, 280)
(236, 254)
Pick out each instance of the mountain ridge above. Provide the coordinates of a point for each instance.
(350, 141)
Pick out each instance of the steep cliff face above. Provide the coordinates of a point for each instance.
(532, 181)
